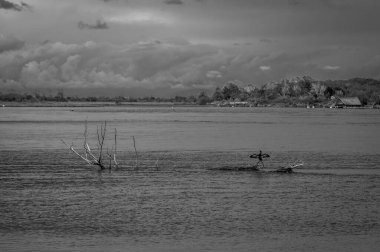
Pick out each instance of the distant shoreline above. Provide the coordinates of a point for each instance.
(149, 104)
(90, 104)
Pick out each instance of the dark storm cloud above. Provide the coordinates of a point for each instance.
(100, 25)
(176, 2)
(12, 6)
(26, 6)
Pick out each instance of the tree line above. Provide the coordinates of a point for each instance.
(301, 91)
(59, 97)
(287, 92)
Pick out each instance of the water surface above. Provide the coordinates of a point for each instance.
(52, 201)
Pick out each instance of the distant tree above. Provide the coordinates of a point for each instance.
(231, 91)
(119, 99)
(203, 98)
(218, 95)
(376, 100)
(92, 99)
(363, 98)
(191, 99)
(307, 82)
(180, 99)
(259, 93)
(339, 91)
(59, 97)
(12, 97)
(329, 92)
(287, 89)
(271, 94)
(244, 95)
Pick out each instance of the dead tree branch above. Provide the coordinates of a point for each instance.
(71, 147)
(136, 155)
(114, 153)
(102, 156)
(89, 157)
(101, 136)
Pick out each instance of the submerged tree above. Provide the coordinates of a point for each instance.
(97, 159)
(102, 156)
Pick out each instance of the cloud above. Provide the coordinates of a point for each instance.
(155, 67)
(145, 66)
(4, 4)
(99, 25)
(69, 68)
(140, 17)
(265, 68)
(40, 73)
(92, 65)
(174, 2)
(213, 74)
(331, 68)
(26, 6)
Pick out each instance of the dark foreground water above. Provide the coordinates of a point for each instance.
(178, 200)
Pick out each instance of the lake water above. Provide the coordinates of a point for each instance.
(177, 199)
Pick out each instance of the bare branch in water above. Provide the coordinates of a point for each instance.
(89, 156)
(103, 157)
(101, 136)
(110, 160)
(85, 137)
(71, 147)
(114, 153)
(137, 157)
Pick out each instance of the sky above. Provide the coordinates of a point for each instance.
(170, 47)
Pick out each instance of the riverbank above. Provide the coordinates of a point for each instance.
(159, 104)
(86, 104)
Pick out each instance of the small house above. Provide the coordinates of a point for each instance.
(348, 102)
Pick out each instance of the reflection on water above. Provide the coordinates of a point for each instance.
(50, 200)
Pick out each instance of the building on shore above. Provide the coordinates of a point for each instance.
(347, 102)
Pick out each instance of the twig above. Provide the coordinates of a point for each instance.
(71, 147)
(85, 137)
(114, 154)
(134, 146)
(101, 136)
(87, 148)
(156, 164)
(95, 160)
(88, 151)
(110, 161)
